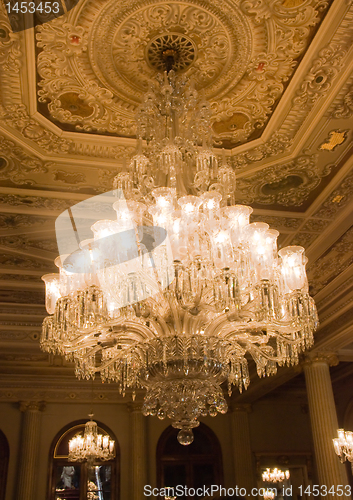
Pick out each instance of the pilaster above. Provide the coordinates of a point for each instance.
(242, 453)
(30, 433)
(138, 451)
(323, 417)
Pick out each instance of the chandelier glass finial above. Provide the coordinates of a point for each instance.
(190, 290)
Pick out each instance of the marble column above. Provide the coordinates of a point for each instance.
(138, 452)
(323, 418)
(242, 453)
(28, 454)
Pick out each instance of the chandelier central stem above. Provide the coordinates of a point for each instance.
(169, 58)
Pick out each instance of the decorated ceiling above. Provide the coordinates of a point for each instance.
(279, 76)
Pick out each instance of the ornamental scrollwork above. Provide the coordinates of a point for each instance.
(10, 50)
(55, 204)
(18, 165)
(345, 108)
(317, 82)
(334, 261)
(17, 117)
(20, 220)
(287, 185)
(337, 200)
(94, 67)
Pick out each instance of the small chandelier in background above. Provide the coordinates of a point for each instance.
(91, 446)
(275, 475)
(269, 494)
(343, 445)
(191, 312)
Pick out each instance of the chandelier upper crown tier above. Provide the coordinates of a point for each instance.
(181, 290)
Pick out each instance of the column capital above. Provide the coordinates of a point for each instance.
(31, 406)
(236, 407)
(328, 357)
(135, 407)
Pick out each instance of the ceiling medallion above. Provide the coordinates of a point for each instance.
(180, 48)
(240, 55)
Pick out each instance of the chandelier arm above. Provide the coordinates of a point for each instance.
(217, 323)
(161, 326)
(243, 335)
(194, 323)
(89, 354)
(121, 357)
(253, 348)
(140, 329)
(173, 309)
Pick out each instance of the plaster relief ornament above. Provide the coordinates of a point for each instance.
(96, 63)
(176, 290)
(289, 184)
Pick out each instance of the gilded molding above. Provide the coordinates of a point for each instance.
(32, 406)
(242, 59)
(328, 358)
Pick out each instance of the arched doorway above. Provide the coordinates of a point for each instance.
(4, 463)
(195, 466)
(76, 481)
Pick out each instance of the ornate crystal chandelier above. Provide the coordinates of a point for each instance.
(343, 445)
(192, 310)
(91, 446)
(275, 475)
(269, 494)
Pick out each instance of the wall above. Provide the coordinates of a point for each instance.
(275, 426)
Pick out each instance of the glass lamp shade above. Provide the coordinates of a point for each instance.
(52, 291)
(190, 206)
(164, 198)
(260, 242)
(222, 250)
(211, 204)
(237, 218)
(105, 228)
(293, 268)
(70, 281)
